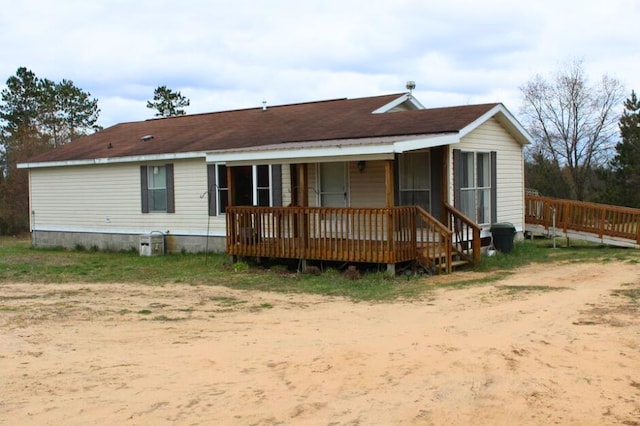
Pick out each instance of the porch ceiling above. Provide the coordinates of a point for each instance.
(331, 150)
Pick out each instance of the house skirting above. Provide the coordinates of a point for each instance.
(123, 242)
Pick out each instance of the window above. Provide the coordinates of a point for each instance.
(258, 185)
(223, 188)
(157, 188)
(157, 181)
(476, 186)
(415, 180)
(263, 189)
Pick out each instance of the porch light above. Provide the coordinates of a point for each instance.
(361, 165)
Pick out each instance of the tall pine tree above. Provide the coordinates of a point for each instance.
(168, 103)
(625, 167)
(35, 115)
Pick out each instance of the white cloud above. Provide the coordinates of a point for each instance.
(225, 55)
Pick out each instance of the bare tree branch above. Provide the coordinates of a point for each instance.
(573, 122)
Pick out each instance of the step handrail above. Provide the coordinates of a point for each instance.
(465, 230)
(440, 242)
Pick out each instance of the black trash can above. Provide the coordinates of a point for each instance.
(503, 234)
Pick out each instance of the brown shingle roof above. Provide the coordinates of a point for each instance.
(314, 121)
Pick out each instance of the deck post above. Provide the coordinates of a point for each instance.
(303, 222)
(388, 183)
(391, 269)
(444, 184)
(230, 187)
(389, 201)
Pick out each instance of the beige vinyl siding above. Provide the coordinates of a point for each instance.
(367, 188)
(312, 171)
(286, 185)
(491, 136)
(106, 198)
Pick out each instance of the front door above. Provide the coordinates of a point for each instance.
(333, 185)
(415, 180)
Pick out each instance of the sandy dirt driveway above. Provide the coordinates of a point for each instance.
(551, 344)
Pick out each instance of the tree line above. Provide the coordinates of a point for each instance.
(38, 114)
(583, 148)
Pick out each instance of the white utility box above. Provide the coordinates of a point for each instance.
(151, 245)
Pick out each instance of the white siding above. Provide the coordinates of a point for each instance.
(491, 136)
(106, 198)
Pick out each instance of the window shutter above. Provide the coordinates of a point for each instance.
(212, 189)
(144, 189)
(457, 178)
(494, 187)
(276, 185)
(171, 203)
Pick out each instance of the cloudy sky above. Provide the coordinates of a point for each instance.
(235, 54)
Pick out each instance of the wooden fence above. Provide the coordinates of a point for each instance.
(600, 220)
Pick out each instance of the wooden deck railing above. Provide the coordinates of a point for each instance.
(372, 235)
(433, 242)
(466, 234)
(599, 219)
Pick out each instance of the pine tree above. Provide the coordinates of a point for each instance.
(167, 103)
(35, 115)
(625, 176)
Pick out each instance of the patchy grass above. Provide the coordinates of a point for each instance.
(632, 293)
(542, 251)
(166, 318)
(19, 262)
(517, 289)
(227, 301)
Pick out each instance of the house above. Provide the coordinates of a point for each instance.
(344, 179)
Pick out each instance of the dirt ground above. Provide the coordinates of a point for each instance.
(552, 344)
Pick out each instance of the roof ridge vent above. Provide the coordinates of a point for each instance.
(146, 138)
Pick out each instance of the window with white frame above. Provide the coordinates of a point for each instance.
(157, 188)
(157, 193)
(475, 186)
(222, 188)
(252, 186)
(261, 180)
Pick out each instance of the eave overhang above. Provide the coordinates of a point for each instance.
(333, 150)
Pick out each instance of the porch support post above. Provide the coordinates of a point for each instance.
(303, 219)
(389, 202)
(444, 184)
(303, 185)
(231, 201)
(232, 220)
(389, 184)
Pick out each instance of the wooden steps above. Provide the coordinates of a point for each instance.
(437, 262)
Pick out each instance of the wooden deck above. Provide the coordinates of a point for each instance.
(371, 235)
(612, 225)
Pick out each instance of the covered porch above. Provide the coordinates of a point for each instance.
(369, 235)
(391, 210)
